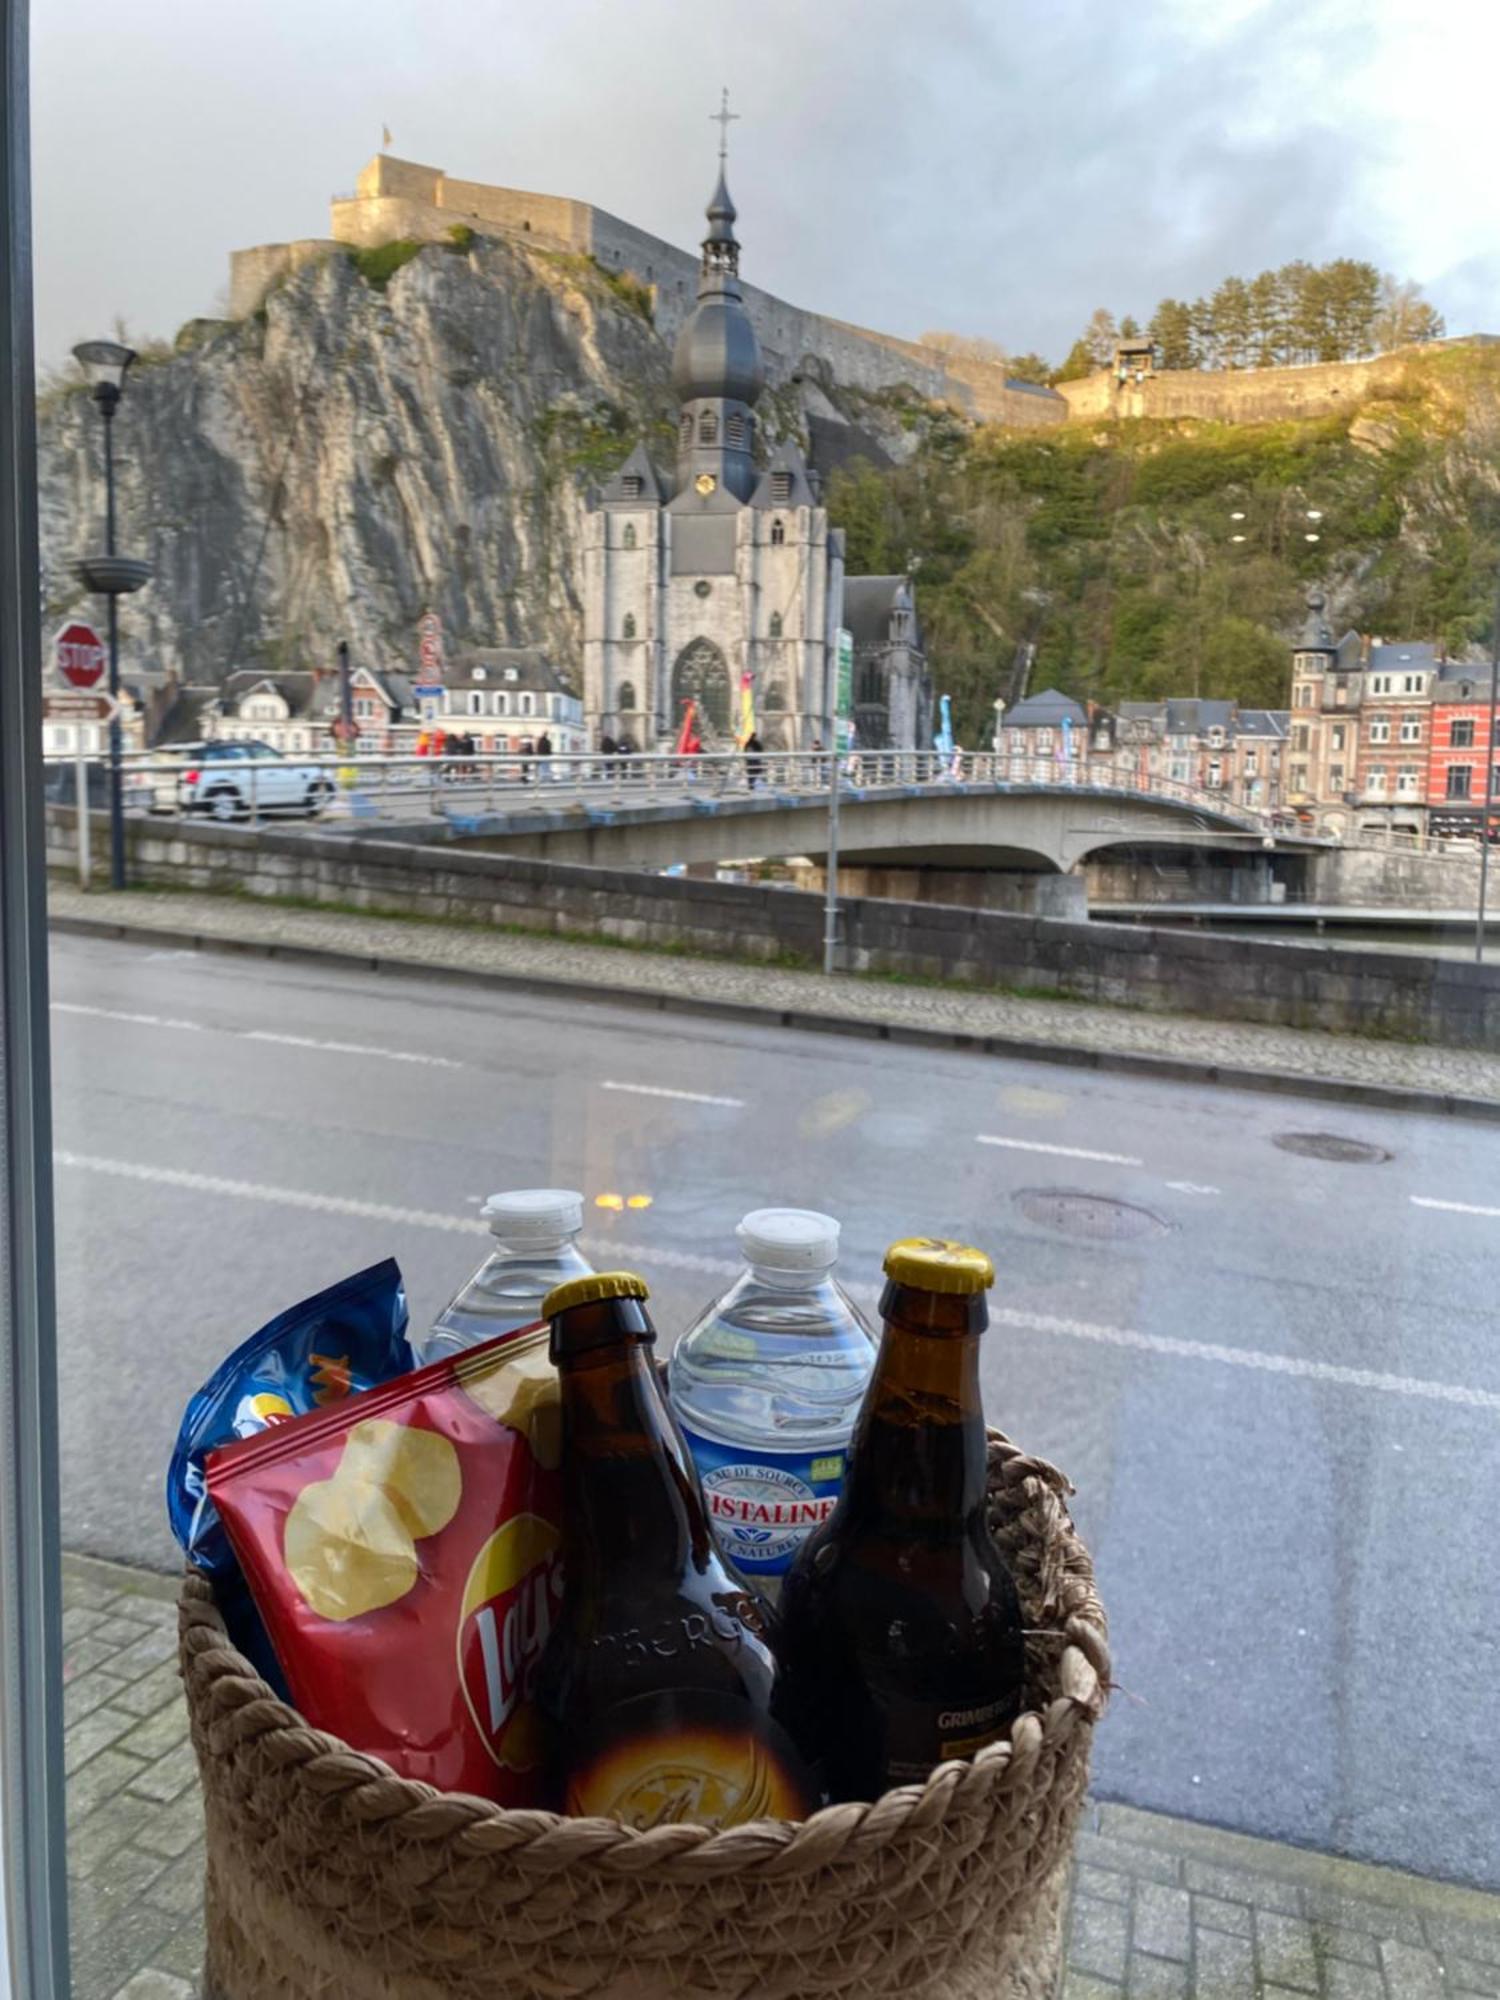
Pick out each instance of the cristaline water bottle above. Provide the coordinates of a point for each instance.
(536, 1249)
(767, 1386)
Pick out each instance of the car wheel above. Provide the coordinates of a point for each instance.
(224, 804)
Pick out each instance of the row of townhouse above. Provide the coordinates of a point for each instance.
(504, 697)
(1389, 735)
(1208, 746)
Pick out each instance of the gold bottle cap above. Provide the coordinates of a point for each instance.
(589, 1291)
(934, 1264)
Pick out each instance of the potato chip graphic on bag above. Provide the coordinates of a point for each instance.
(402, 1549)
(417, 1468)
(348, 1549)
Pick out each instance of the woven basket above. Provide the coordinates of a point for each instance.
(329, 1878)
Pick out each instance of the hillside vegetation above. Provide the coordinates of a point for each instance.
(1111, 545)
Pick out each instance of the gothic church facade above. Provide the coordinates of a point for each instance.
(727, 576)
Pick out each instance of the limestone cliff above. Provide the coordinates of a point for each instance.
(395, 431)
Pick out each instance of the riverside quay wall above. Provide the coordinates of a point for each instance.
(1342, 990)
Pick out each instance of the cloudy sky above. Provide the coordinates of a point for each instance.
(998, 167)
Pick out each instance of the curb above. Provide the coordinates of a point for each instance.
(1168, 1069)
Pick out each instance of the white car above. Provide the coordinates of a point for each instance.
(218, 778)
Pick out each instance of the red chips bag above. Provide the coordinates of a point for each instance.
(403, 1550)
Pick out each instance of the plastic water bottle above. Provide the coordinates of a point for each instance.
(536, 1247)
(767, 1385)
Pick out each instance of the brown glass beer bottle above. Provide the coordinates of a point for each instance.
(658, 1680)
(900, 1628)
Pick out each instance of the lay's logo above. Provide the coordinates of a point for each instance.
(510, 1604)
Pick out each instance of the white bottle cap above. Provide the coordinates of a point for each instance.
(789, 1239)
(531, 1216)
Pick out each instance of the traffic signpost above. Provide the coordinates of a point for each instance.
(80, 655)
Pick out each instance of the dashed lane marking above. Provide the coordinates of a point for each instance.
(1294, 1366)
(686, 1096)
(1193, 1187)
(1453, 1207)
(1067, 1152)
(322, 1045)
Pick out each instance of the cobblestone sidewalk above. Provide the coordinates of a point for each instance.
(1162, 1909)
(1058, 1027)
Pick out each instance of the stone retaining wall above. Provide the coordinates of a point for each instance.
(1350, 991)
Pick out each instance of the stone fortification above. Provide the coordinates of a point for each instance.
(400, 199)
(1241, 395)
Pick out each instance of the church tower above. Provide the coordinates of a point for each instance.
(728, 580)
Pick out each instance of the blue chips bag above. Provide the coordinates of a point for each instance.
(331, 1346)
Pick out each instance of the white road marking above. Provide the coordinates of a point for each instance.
(1452, 1207)
(259, 1035)
(135, 1020)
(345, 1048)
(1067, 1152)
(1193, 1187)
(1292, 1365)
(687, 1096)
(1251, 1357)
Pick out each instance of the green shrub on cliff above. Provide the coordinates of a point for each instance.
(1147, 558)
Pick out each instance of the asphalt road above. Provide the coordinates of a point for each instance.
(1275, 1379)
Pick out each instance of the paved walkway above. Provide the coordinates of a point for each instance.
(1060, 1029)
(1162, 1909)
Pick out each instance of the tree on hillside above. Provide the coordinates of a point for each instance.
(1171, 328)
(1130, 329)
(1232, 328)
(1403, 316)
(1029, 368)
(967, 347)
(1101, 336)
(1263, 304)
(1077, 363)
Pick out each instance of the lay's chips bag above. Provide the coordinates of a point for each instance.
(402, 1547)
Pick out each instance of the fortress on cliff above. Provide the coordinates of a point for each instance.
(397, 200)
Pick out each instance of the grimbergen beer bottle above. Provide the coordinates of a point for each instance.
(658, 1681)
(900, 1628)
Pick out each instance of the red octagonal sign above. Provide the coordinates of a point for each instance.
(81, 658)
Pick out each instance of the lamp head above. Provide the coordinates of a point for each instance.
(106, 362)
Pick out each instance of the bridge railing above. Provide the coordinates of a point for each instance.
(465, 784)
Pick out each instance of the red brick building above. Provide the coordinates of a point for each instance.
(1456, 756)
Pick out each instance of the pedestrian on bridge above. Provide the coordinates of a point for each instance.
(755, 762)
(544, 751)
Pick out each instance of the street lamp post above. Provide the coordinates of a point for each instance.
(112, 575)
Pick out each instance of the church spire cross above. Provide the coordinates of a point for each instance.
(724, 118)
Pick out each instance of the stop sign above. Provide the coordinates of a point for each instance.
(81, 658)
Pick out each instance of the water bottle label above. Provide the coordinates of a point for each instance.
(764, 1504)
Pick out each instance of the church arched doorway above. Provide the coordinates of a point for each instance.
(701, 674)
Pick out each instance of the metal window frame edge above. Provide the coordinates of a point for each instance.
(32, 1819)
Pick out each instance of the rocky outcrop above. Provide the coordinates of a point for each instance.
(373, 443)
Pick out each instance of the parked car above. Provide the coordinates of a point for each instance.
(227, 779)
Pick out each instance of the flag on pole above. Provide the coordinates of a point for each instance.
(686, 733)
(747, 707)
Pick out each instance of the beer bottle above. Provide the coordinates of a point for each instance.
(901, 1637)
(658, 1679)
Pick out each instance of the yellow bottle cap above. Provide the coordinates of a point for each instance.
(589, 1291)
(934, 1264)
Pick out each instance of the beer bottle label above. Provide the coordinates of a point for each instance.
(921, 1734)
(687, 1757)
(764, 1504)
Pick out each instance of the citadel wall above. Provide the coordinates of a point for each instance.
(404, 199)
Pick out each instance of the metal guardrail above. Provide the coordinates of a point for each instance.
(502, 781)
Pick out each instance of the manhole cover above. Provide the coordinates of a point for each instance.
(1330, 1146)
(1091, 1215)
